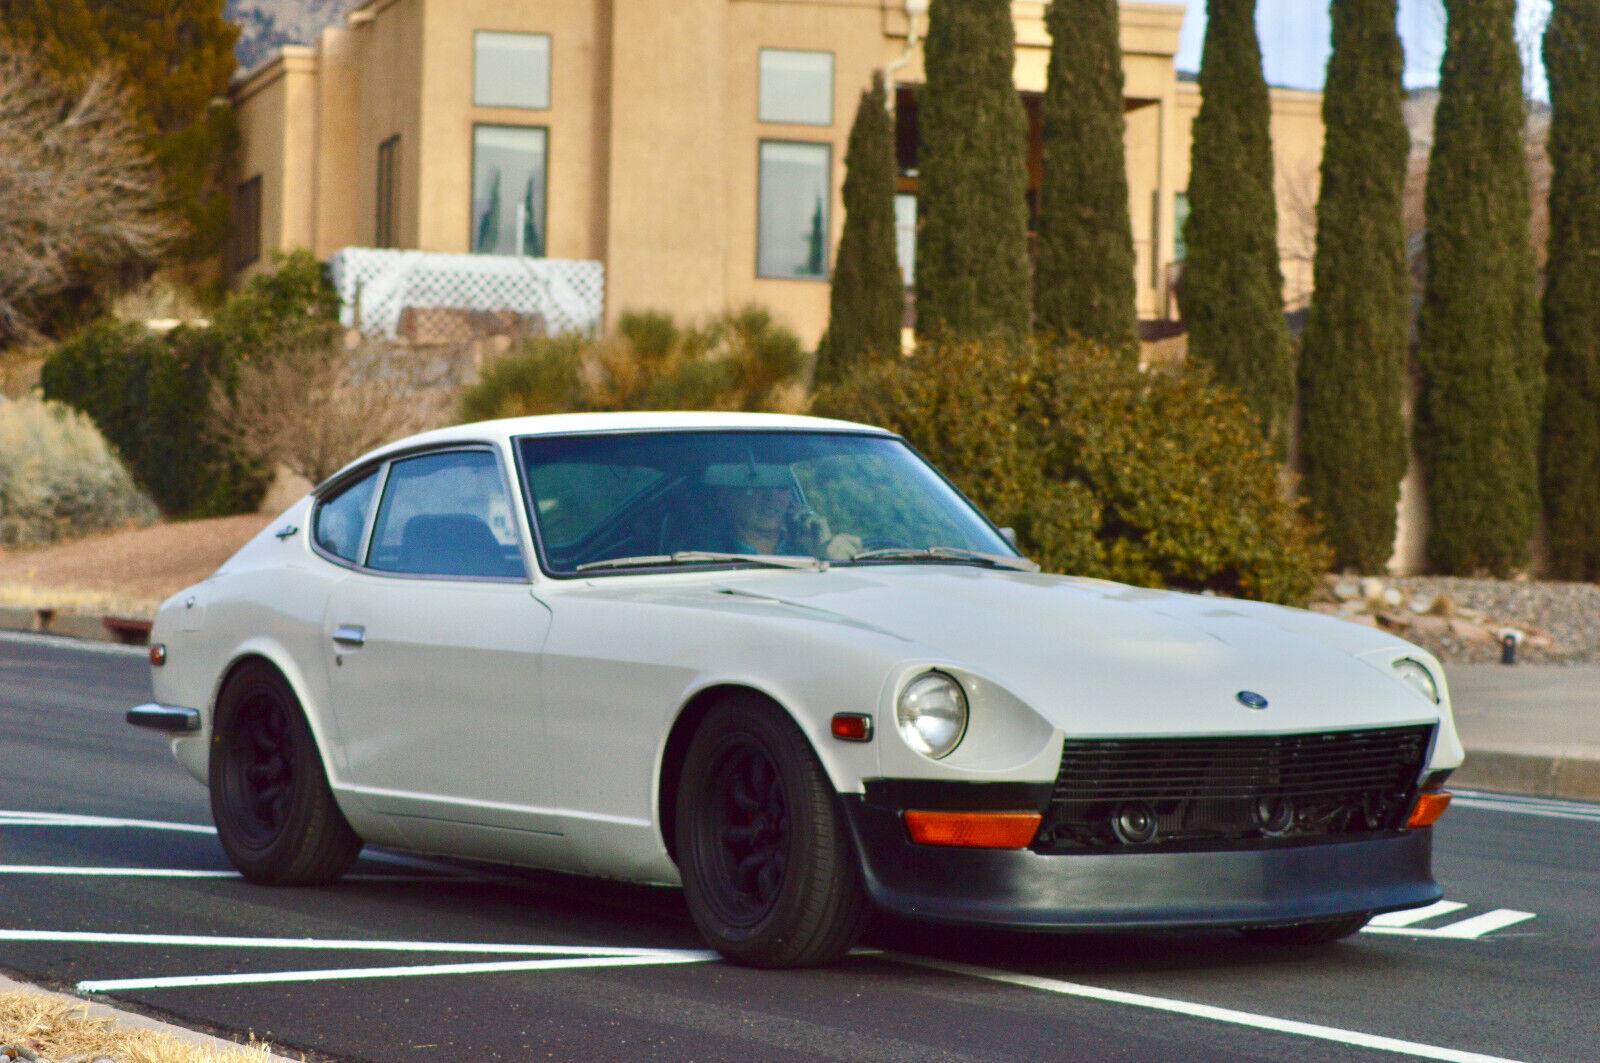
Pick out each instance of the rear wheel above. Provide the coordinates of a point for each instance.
(1305, 935)
(769, 872)
(275, 815)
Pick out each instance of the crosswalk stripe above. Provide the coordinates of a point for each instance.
(1415, 915)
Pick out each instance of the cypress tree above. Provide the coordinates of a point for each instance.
(175, 58)
(1084, 279)
(1232, 280)
(867, 301)
(1352, 384)
(1570, 450)
(972, 252)
(1479, 346)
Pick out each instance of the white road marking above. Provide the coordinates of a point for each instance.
(63, 819)
(1546, 807)
(209, 941)
(167, 872)
(112, 872)
(68, 642)
(1415, 915)
(657, 958)
(1205, 1011)
(1466, 930)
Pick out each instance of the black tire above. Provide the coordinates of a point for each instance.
(769, 872)
(1307, 935)
(275, 815)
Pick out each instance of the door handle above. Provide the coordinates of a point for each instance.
(350, 635)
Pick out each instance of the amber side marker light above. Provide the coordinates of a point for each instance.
(973, 830)
(852, 727)
(158, 654)
(1430, 806)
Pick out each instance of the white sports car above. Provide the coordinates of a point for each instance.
(782, 662)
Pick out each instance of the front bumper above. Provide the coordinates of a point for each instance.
(1021, 889)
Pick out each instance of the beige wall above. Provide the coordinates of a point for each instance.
(1296, 131)
(277, 133)
(653, 134)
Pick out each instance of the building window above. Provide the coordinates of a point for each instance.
(792, 231)
(905, 236)
(247, 223)
(511, 70)
(796, 87)
(388, 192)
(1180, 221)
(508, 190)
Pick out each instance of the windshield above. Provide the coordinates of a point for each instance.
(610, 503)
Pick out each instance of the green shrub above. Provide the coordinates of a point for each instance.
(1153, 479)
(150, 394)
(743, 360)
(58, 479)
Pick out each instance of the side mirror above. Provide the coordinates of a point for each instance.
(1009, 535)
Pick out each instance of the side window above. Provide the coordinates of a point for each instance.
(340, 520)
(447, 515)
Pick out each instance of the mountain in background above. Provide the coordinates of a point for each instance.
(268, 24)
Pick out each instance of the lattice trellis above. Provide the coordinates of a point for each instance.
(388, 293)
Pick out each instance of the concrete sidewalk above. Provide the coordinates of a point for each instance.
(1528, 729)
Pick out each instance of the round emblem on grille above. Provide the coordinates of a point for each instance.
(1251, 700)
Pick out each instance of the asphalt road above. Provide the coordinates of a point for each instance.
(111, 885)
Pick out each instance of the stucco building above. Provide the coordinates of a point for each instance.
(694, 147)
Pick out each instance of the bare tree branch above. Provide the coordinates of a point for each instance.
(312, 409)
(76, 187)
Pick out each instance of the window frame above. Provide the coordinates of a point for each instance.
(248, 202)
(761, 84)
(549, 69)
(386, 229)
(544, 190)
(336, 486)
(826, 276)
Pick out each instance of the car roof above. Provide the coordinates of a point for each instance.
(572, 423)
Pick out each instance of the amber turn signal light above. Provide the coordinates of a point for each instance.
(852, 727)
(1430, 806)
(973, 830)
(158, 654)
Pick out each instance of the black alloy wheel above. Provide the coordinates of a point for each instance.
(770, 873)
(276, 818)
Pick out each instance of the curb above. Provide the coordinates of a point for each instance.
(1529, 775)
(134, 1021)
(130, 631)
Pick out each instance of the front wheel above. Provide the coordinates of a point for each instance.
(1306, 935)
(769, 872)
(275, 815)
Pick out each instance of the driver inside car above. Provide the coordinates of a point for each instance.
(763, 516)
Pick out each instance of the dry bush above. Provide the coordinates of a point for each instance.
(313, 408)
(58, 479)
(57, 1030)
(739, 360)
(76, 186)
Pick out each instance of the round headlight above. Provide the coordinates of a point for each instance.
(932, 714)
(1417, 676)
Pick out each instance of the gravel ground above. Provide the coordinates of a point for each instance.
(1464, 621)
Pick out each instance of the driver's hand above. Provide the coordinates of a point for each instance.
(808, 530)
(842, 547)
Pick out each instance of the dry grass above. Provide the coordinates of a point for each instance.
(52, 1029)
(75, 600)
(127, 572)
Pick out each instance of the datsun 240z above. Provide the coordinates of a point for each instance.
(783, 663)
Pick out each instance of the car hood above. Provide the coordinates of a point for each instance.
(1102, 659)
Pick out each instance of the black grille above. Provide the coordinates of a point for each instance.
(1180, 791)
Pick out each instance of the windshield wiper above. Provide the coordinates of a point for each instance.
(945, 553)
(701, 557)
